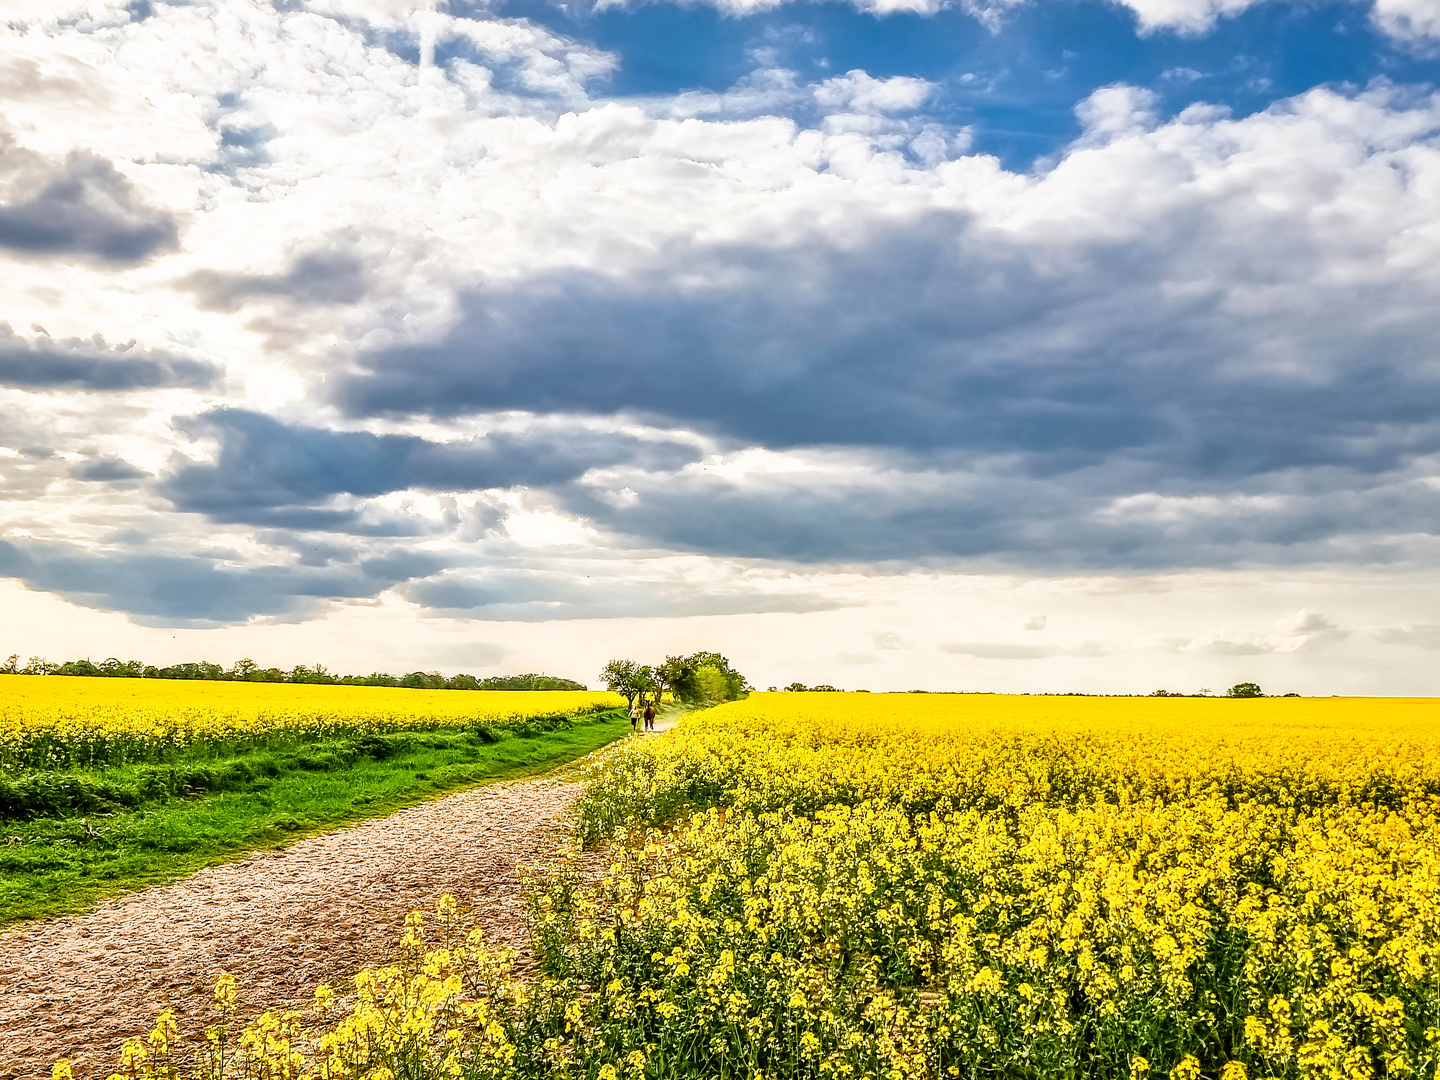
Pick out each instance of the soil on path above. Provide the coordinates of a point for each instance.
(281, 922)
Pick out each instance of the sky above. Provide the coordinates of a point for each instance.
(1013, 345)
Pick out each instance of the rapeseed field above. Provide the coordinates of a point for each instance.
(826, 885)
(53, 722)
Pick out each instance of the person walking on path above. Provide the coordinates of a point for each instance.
(634, 716)
(649, 717)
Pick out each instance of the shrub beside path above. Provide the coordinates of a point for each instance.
(280, 921)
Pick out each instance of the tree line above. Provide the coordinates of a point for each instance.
(249, 671)
(702, 678)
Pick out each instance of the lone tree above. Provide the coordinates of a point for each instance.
(1245, 689)
(625, 677)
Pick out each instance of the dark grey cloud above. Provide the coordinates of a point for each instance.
(537, 596)
(75, 364)
(937, 336)
(326, 277)
(214, 588)
(88, 208)
(108, 471)
(1020, 392)
(242, 147)
(270, 473)
(199, 589)
(1061, 521)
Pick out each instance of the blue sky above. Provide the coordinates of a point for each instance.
(1029, 345)
(1015, 86)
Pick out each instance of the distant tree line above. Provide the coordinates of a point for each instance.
(702, 678)
(250, 671)
(1242, 689)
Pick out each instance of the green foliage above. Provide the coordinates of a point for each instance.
(528, 682)
(703, 678)
(700, 679)
(247, 670)
(625, 677)
(1245, 689)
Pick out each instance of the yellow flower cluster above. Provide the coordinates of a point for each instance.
(804, 751)
(997, 886)
(54, 721)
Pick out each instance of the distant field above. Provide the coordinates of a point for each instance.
(49, 721)
(108, 784)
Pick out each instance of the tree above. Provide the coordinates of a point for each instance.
(622, 677)
(650, 682)
(704, 678)
(1245, 689)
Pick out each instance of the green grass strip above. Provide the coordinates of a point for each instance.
(62, 861)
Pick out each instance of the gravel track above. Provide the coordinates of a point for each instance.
(281, 922)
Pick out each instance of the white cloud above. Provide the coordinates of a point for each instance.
(858, 91)
(1422, 635)
(1033, 621)
(1114, 112)
(1303, 630)
(989, 650)
(1408, 19)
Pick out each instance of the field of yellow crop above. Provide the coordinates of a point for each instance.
(49, 721)
(835, 886)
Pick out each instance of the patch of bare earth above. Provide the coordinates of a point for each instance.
(280, 922)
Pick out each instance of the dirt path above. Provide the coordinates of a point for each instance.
(281, 922)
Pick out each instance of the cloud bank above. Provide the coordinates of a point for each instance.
(419, 315)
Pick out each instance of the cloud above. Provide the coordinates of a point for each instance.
(1303, 630)
(1411, 20)
(469, 655)
(1113, 112)
(1148, 356)
(1001, 651)
(539, 595)
(42, 364)
(270, 473)
(1186, 341)
(189, 589)
(1421, 635)
(860, 92)
(87, 209)
(316, 278)
(108, 471)
(1032, 621)
(887, 639)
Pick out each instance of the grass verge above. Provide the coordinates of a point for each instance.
(113, 831)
